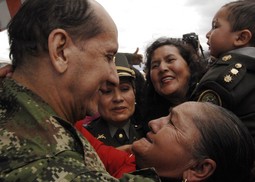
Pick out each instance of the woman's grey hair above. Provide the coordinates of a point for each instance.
(226, 140)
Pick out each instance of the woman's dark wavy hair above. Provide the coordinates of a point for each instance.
(224, 139)
(30, 27)
(153, 102)
(188, 53)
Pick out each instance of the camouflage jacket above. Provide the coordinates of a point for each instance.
(37, 145)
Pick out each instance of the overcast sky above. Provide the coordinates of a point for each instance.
(141, 21)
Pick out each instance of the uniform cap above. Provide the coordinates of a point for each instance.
(122, 66)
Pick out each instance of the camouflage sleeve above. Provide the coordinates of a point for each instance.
(66, 166)
(143, 175)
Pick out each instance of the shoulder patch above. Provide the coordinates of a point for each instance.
(210, 96)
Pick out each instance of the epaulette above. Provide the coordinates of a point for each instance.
(236, 68)
(238, 59)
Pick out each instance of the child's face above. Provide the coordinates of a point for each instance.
(220, 37)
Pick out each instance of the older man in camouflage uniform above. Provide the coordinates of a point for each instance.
(62, 51)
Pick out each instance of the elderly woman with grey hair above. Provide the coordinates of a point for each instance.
(198, 142)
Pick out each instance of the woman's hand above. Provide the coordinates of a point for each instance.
(5, 71)
(126, 148)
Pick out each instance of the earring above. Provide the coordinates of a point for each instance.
(185, 180)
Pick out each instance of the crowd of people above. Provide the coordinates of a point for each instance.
(73, 108)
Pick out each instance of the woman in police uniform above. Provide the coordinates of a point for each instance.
(116, 106)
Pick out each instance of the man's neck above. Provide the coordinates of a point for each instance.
(42, 84)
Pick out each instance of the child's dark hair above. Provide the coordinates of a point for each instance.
(241, 15)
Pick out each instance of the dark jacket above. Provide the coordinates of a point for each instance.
(230, 83)
(99, 129)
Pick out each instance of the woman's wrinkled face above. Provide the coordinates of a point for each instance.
(220, 37)
(169, 72)
(117, 102)
(168, 147)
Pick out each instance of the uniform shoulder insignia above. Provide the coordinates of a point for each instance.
(101, 136)
(210, 96)
(226, 58)
(231, 75)
(228, 78)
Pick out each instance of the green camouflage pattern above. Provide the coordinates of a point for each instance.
(36, 145)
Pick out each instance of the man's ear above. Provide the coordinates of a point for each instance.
(243, 38)
(57, 43)
(201, 171)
